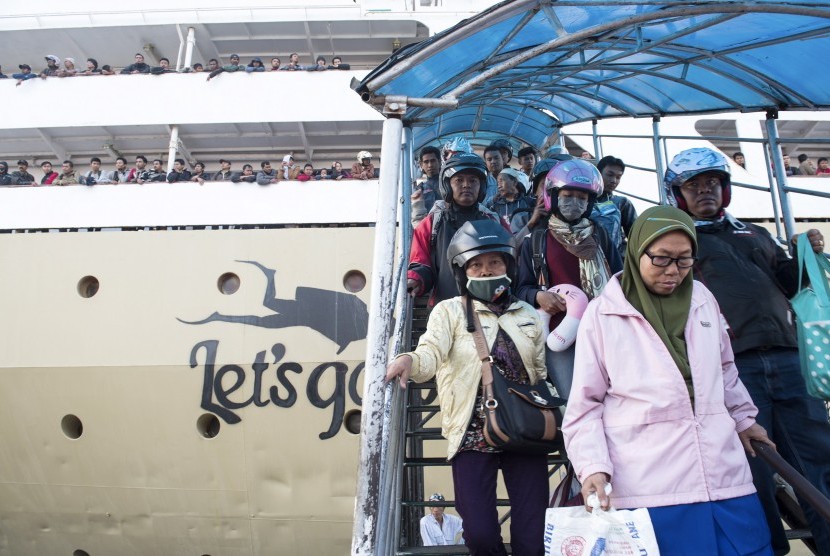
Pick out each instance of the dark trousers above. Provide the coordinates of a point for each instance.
(797, 423)
(526, 479)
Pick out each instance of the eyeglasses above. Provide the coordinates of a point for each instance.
(695, 186)
(662, 261)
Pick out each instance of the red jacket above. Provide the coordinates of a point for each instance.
(427, 258)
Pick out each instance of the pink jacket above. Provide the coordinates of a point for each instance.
(629, 413)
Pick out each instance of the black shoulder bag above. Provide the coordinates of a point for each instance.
(517, 417)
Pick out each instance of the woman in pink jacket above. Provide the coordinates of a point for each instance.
(656, 406)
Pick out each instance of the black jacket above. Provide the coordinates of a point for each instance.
(752, 278)
(140, 67)
(174, 176)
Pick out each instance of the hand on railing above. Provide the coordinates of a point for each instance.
(400, 367)
(754, 434)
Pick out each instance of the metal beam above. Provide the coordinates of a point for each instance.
(584, 34)
(308, 42)
(309, 150)
(56, 147)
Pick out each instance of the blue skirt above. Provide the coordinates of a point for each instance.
(734, 527)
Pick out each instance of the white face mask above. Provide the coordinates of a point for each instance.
(571, 208)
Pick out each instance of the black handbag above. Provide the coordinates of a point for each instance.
(517, 417)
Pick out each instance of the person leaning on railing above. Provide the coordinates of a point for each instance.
(67, 175)
(22, 175)
(138, 66)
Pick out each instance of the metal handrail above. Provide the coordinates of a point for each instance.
(805, 490)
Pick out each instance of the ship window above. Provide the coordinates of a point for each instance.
(80, 552)
(72, 426)
(228, 283)
(88, 286)
(354, 281)
(208, 425)
(351, 421)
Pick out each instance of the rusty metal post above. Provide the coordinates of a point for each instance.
(381, 307)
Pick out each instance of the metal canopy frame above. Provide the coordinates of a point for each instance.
(582, 60)
(525, 68)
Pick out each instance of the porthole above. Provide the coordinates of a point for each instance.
(354, 281)
(208, 425)
(228, 283)
(72, 426)
(80, 552)
(88, 286)
(351, 421)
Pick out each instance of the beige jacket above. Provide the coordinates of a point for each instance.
(447, 352)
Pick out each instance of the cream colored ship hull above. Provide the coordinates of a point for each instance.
(143, 478)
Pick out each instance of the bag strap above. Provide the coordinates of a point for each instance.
(481, 346)
(537, 239)
(817, 269)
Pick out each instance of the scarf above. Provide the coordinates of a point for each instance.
(578, 240)
(668, 314)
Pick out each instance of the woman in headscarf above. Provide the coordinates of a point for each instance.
(566, 247)
(657, 408)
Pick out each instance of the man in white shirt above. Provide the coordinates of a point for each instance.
(439, 528)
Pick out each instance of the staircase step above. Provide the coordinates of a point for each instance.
(425, 436)
(456, 550)
(425, 462)
(422, 408)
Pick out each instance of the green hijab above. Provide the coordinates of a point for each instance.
(667, 314)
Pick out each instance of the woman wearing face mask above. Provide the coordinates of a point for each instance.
(482, 255)
(566, 248)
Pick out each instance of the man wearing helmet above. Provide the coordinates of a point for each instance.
(363, 169)
(481, 255)
(566, 248)
(506, 150)
(461, 190)
(752, 277)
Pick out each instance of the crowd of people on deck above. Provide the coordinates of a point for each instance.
(685, 352)
(70, 68)
(806, 167)
(145, 171)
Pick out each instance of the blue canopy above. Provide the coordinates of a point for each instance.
(523, 68)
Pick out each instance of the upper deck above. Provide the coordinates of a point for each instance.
(242, 117)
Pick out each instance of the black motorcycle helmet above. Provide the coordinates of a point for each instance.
(474, 238)
(540, 171)
(458, 163)
(504, 144)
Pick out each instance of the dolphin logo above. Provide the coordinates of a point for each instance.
(341, 317)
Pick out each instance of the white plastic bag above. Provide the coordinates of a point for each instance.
(577, 532)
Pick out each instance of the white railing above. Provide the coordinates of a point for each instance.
(187, 204)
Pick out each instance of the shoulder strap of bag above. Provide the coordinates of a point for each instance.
(537, 239)
(481, 346)
(817, 268)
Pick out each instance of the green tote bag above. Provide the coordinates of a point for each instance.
(812, 314)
